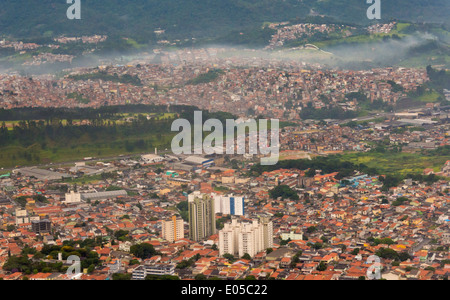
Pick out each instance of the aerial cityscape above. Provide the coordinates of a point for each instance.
(329, 158)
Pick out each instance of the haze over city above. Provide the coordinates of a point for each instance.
(198, 142)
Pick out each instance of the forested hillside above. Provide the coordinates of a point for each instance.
(192, 18)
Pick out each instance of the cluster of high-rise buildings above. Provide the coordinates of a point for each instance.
(239, 237)
(336, 221)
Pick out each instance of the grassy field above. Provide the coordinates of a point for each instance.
(430, 97)
(433, 58)
(134, 44)
(356, 39)
(398, 163)
(83, 179)
(12, 156)
(401, 26)
(364, 38)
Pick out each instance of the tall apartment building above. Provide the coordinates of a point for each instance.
(172, 229)
(230, 205)
(267, 229)
(41, 226)
(239, 238)
(202, 217)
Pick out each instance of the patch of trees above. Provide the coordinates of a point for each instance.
(207, 77)
(102, 75)
(22, 201)
(143, 250)
(283, 191)
(311, 229)
(87, 256)
(395, 87)
(221, 221)
(393, 180)
(104, 112)
(285, 242)
(253, 37)
(40, 199)
(439, 79)
(440, 151)
(41, 134)
(183, 209)
(122, 276)
(423, 48)
(428, 179)
(27, 266)
(365, 103)
(296, 259)
(333, 112)
(382, 241)
(122, 235)
(400, 201)
(327, 164)
(78, 97)
(391, 254)
(21, 263)
(188, 263)
(322, 266)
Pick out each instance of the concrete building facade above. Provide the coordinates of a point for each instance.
(230, 205)
(202, 221)
(172, 229)
(240, 238)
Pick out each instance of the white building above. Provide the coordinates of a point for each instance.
(152, 158)
(291, 236)
(239, 238)
(157, 269)
(230, 205)
(125, 246)
(22, 217)
(172, 229)
(72, 197)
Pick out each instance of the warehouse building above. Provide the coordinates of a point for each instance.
(152, 158)
(199, 162)
(103, 195)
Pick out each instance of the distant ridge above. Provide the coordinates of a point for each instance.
(193, 18)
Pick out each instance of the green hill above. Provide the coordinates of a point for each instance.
(192, 18)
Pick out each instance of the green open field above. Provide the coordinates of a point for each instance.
(429, 97)
(102, 133)
(76, 144)
(421, 61)
(397, 163)
(12, 156)
(400, 27)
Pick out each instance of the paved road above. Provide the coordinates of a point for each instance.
(367, 118)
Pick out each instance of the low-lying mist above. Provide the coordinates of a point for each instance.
(367, 54)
